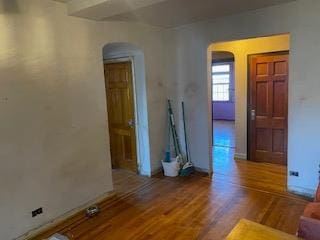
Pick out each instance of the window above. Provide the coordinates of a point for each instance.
(221, 78)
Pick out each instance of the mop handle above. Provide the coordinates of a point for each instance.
(174, 131)
(185, 131)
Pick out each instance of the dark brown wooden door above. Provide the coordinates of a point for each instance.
(120, 102)
(268, 109)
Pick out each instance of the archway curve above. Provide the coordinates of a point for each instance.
(123, 51)
(218, 56)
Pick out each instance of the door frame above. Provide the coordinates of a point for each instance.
(136, 119)
(249, 125)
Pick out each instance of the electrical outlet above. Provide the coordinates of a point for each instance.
(37, 212)
(294, 174)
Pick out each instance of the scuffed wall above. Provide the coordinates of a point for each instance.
(54, 150)
(54, 147)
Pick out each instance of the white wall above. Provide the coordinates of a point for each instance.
(54, 149)
(241, 49)
(300, 19)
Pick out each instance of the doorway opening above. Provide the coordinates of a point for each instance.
(232, 141)
(127, 115)
(223, 106)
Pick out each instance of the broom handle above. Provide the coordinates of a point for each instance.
(185, 132)
(168, 138)
(174, 131)
(171, 127)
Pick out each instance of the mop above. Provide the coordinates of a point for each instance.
(174, 134)
(187, 168)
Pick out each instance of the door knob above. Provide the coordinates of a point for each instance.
(253, 115)
(131, 123)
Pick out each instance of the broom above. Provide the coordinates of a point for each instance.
(168, 154)
(175, 137)
(187, 168)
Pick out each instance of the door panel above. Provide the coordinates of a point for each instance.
(120, 104)
(262, 95)
(279, 88)
(278, 141)
(268, 108)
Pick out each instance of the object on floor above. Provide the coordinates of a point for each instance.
(309, 225)
(92, 211)
(58, 237)
(187, 168)
(172, 168)
(247, 230)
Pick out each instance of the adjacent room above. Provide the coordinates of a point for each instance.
(162, 119)
(223, 107)
(242, 95)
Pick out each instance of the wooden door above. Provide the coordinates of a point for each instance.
(120, 102)
(268, 109)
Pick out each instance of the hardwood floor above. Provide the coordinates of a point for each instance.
(194, 207)
(126, 182)
(267, 177)
(224, 133)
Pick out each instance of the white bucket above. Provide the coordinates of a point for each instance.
(171, 169)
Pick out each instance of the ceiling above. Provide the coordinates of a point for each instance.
(163, 13)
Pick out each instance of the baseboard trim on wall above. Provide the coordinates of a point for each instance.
(156, 171)
(64, 221)
(145, 174)
(242, 156)
(197, 169)
(302, 191)
(202, 170)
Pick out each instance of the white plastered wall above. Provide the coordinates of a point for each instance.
(54, 146)
(53, 111)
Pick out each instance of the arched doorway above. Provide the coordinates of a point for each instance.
(240, 162)
(223, 107)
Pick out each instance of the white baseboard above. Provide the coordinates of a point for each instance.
(302, 191)
(202, 170)
(56, 221)
(160, 170)
(242, 156)
(156, 171)
(145, 174)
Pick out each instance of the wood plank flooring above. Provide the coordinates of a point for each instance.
(262, 176)
(194, 207)
(267, 177)
(126, 182)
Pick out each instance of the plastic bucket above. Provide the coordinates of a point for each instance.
(171, 169)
